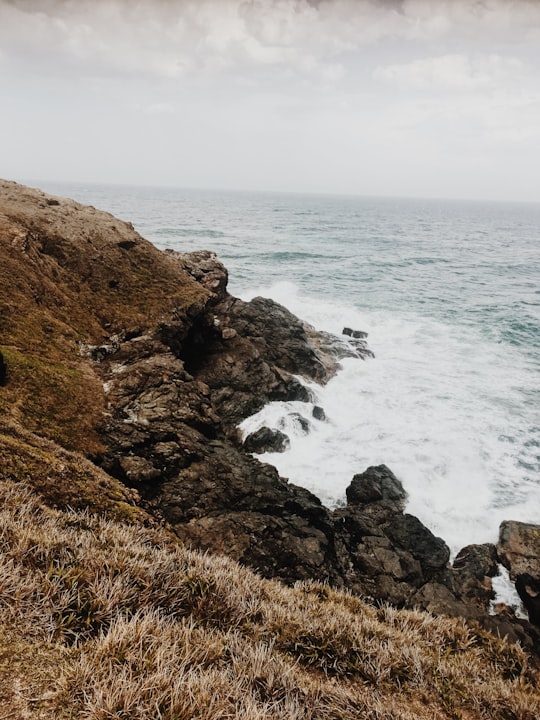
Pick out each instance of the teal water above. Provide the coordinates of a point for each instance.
(449, 292)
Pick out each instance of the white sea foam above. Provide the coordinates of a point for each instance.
(439, 405)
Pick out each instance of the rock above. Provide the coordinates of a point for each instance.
(266, 440)
(170, 364)
(377, 484)
(519, 551)
(138, 469)
(474, 566)
(408, 533)
(528, 588)
(519, 548)
(318, 413)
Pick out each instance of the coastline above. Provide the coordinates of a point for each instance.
(179, 373)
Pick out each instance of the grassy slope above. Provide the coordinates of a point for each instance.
(105, 618)
(72, 276)
(105, 615)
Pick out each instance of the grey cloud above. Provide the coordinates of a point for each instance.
(297, 94)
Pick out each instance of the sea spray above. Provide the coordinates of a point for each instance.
(438, 404)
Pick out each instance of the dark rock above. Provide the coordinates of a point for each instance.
(528, 588)
(374, 485)
(519, 551)
(126, 244)
(357, 334)
(266, 440)
(318, 413)
(474, 566)
(408, 533)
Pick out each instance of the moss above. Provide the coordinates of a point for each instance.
(63, 479)
(52, 399)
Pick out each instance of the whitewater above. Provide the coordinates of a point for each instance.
(449, 294)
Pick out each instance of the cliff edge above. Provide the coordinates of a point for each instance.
(126, 371)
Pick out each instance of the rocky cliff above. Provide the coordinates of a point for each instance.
(141, 361)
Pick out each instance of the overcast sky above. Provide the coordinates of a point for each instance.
(427, 98)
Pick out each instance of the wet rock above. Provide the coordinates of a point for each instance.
(357, 334)
(266, 440)
(519, 551)
(528, 588)
(473, 567)
(377, 485)
(318, 413)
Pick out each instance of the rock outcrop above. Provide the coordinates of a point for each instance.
(519, 551)
(144, 362)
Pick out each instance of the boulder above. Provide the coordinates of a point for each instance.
(266, 440)
(318, 413)
(377, 485)
(473, 568)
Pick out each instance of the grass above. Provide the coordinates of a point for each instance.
(103, 613)
(121, 621)
(72, 276)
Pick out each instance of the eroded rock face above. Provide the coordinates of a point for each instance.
(519, 551)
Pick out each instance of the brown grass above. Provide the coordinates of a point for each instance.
(71, 276)
(118, 621)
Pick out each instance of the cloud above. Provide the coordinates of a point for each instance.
(172, 38)
(307, 94)
(454, 72)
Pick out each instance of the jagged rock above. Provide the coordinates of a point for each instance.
(408, 533)
(474, 566)
(519, 548)
(266, 440)
(379, 486)
(528, 588)
(519, 551)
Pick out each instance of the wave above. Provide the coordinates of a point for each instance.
(440, 404)
(188, 232)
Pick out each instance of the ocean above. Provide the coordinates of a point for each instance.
(449, 294)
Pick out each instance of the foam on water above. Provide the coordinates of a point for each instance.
(439, 404)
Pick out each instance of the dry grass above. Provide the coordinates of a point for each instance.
(119, 621)
(71, 275)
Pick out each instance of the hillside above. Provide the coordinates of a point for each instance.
(123, 374)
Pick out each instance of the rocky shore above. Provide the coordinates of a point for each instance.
(143, 362)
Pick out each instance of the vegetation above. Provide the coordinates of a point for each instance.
(103, 613)
(106, 618)
(72, 278)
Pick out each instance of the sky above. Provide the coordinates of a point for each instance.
(421, 98)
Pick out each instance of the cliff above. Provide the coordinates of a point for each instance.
(124, 372)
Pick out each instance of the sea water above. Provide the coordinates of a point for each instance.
(449, 294)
